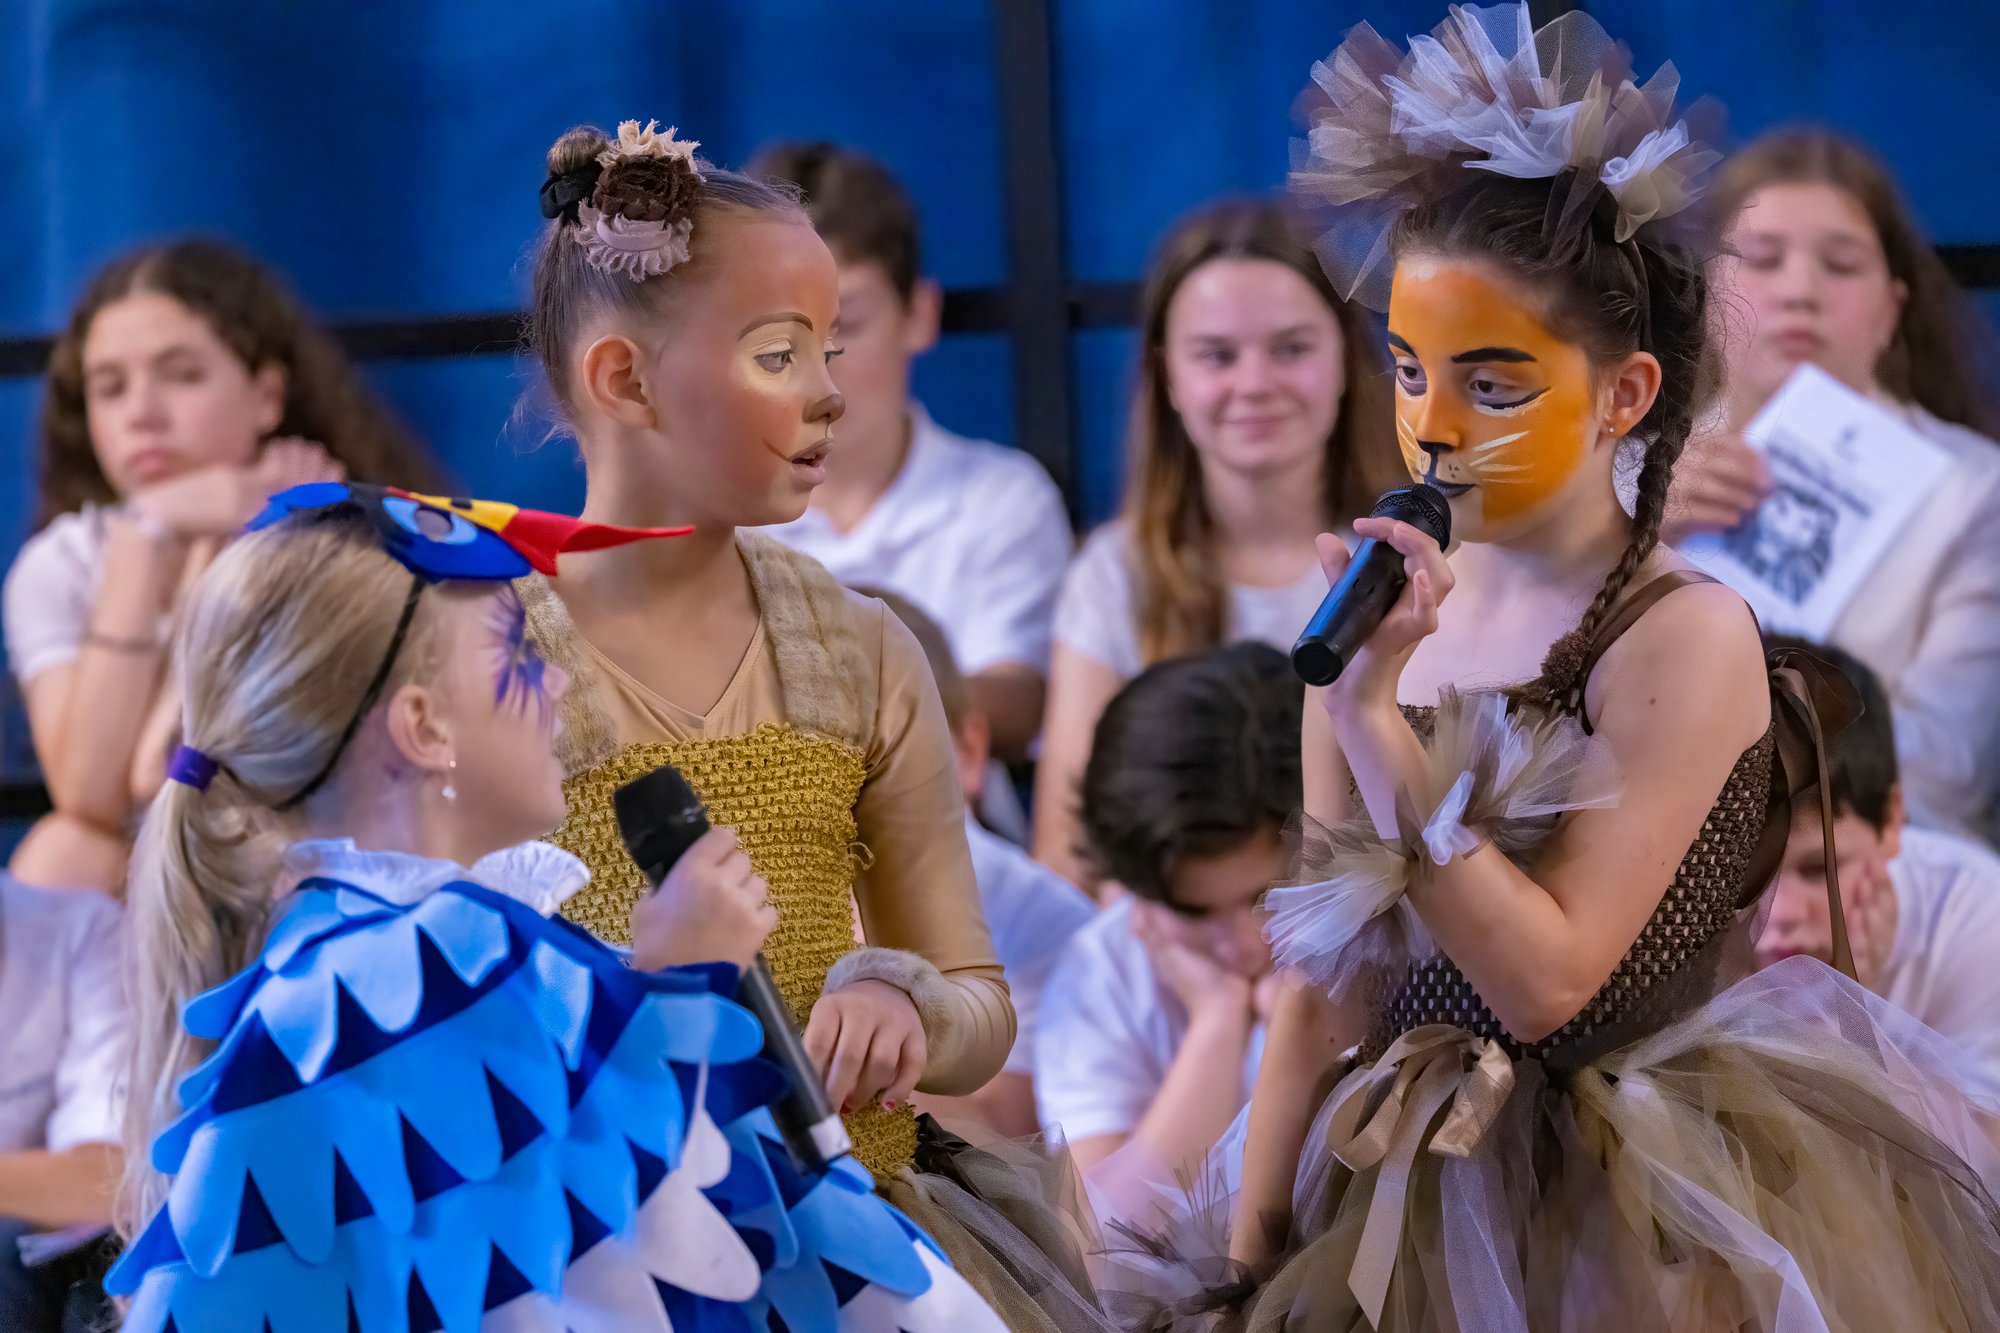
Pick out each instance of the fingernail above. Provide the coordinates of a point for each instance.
(888, 1106)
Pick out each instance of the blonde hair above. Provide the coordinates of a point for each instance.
(274, 652)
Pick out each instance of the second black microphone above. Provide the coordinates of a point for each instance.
(1375, 576)
(659, 818)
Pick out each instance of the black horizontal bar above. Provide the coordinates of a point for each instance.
(23, 800)
(966, 310)
(500, 333)
(1975, 267)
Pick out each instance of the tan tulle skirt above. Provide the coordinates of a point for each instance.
(1012, 1218)
(1795, 1154)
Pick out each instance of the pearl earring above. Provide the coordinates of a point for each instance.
(450, 792)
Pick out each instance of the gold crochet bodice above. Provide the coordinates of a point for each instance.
(790, 796)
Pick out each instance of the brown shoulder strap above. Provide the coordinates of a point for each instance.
(1811, 699)
(1626, 614)
(1623, 616)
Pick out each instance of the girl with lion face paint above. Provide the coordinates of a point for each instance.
(1537, 798)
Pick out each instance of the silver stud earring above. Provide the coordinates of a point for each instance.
(450, 792)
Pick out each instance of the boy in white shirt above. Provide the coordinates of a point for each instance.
(974, 533)
(1032, 912)
(1922, 907)
(64, 1041)
(1153, 1025)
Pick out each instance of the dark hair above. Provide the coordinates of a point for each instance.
(1183, 596)
(1860, 757)
(1192, 758)
(861, 211)
(1940, 339)
(568, 289)
(256, 315)
(1612, 298)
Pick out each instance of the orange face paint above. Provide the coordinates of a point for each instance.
(1491, 406)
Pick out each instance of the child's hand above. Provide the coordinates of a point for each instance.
(287, 463)
(868, 1042)
(712, 908)
(1199, 982)
(218, 501)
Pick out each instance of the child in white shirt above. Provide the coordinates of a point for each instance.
(1153, 1025)
(1032, 913)
(65, 1036)
(1922, 907)
(189, 385)
(974, 533)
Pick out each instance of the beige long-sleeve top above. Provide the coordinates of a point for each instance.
(917, 894)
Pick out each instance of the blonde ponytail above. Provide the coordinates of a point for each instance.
(274, 652)
(200, 898)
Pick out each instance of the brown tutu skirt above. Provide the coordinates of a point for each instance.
(1012, 1219)
(1794, 1155)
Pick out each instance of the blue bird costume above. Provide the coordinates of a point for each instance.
(430, 1106)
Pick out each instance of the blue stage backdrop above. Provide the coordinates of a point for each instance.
(387, 156)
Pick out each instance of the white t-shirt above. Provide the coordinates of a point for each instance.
(50, 592)
(65, 1027)
(1109, 1032)
(1033, 912)
(1097, 614)
(1944, 967)
(972, 532)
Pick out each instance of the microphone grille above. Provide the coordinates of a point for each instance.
(1421, 506)
(659, 816)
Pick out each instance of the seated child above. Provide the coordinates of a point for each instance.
(972, 532)
(1031, 911)
(1153, 1024)
(1922, 907)
(64, 1042)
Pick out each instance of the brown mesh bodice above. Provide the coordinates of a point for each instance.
(1701, 903)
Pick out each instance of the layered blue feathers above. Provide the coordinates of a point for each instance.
(453, 1113)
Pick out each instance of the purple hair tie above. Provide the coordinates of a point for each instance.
(191, 767)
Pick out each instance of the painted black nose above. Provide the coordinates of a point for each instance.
(1436, 452)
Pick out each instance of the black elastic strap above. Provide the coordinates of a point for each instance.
(417, 582)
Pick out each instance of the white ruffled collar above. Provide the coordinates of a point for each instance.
(537, 874)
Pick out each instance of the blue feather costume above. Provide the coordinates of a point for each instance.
(431, 1107)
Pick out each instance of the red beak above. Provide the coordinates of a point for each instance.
(542, 536)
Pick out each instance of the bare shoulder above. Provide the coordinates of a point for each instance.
(1695, 657)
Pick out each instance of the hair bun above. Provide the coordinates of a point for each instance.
(637, 213)
(573, 171)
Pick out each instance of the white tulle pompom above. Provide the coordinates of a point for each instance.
(1498, 774)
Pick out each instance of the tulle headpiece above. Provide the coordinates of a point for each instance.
(1486, 91)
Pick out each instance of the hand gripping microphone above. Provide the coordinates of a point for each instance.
(660, 817)
(1374, 579)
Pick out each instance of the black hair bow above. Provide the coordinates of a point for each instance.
(562, 193)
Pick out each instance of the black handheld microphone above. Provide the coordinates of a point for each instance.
(1374, 579)
(660, 817)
